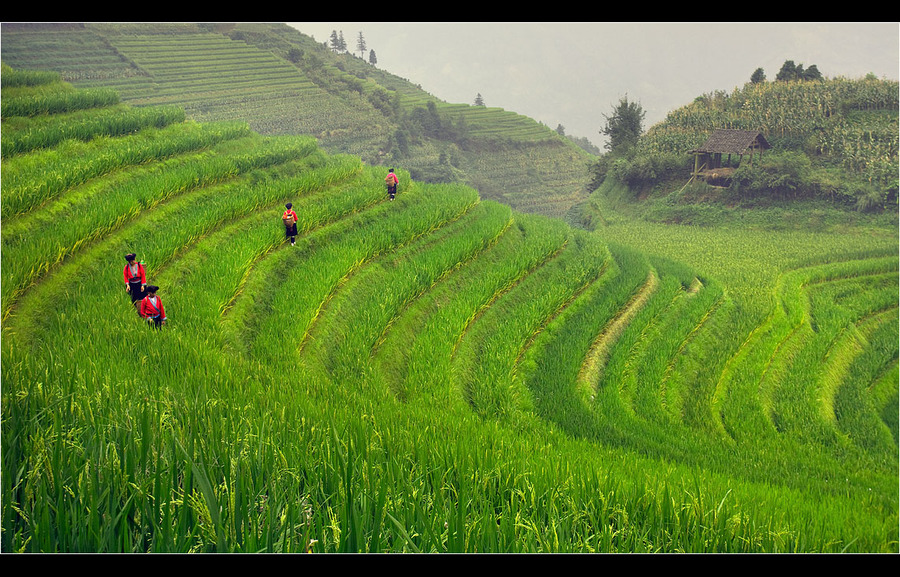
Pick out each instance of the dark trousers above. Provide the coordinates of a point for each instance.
(156, 322)
(392, 190)
(291, 232)
(136, 291)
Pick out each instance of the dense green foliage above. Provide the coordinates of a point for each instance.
(624, 126)
(790, 71)
(834, 139)
(437, 373)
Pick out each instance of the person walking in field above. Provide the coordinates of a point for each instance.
(135, 278)
(391, 181)
(151, 308)
(289, 218)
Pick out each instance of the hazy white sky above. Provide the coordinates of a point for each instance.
(574, 73)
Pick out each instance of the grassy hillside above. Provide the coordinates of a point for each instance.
(834, 148)
(283, 82)
(437, 373)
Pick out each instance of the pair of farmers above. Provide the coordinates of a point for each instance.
(289, 217)
(143, 296)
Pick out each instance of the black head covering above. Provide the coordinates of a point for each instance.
(130, 256)
(151, 288)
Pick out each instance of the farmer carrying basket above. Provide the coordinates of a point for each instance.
(391, 181)
(289, 218)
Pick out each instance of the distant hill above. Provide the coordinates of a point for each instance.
(281, 81)
(831, 141)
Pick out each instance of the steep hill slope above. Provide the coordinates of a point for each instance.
(283, 82)
(436, 373)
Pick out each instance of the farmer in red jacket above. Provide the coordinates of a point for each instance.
(135, 278)
(391, 181)
(289, 218)
(151, 308)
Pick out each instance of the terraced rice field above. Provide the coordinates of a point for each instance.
(435, 373)
(215, 78)
(208, 75)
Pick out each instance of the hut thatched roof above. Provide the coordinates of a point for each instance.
(731, 141)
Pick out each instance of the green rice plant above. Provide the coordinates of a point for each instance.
(596, 359)
(202, 507)
(326, 258)
(688, 381)
(841, 310)
(714, 351)
(866, 309)
(166, 230)
(629, 358)
(57, 101)
(664, 340)
(415, 355)
(30, 180)
(368, 302)
(592, 410)
(748, 276)
(349, 197)
(883, 393)
(561, 367)
(808, 332)
(27, 135)
(12, 77)
(105, 207)
(488, 354)
(853, 406)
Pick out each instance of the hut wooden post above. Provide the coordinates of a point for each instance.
(728, 141)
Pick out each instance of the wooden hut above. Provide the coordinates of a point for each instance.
(708, 158)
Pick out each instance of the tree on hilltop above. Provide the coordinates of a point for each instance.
(361, 45)
(337, 41)
(372, 60)
(479, 101)
(790, 71)
(812, 73)
(758, 76)
(624, 126)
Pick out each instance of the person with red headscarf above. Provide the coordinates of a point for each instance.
(135, 278)
(151, 308)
